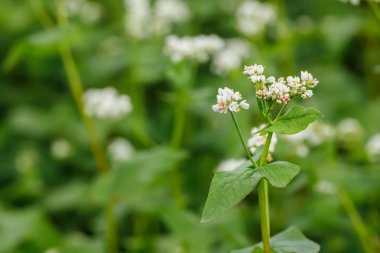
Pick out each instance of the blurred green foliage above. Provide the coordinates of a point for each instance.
(56, 203)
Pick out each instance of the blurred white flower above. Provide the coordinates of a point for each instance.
(106, 103)
(137, 19)
(26, 159)
(353, 2)
(168, 12)
(60, 148)
(199, 48)
(87, 11)
(316, 134)
(373, 147)
(120, 150)
(253, 16)
(230, 57)
(141, 21)
(349, 129)
(257, 140)
(230, 164)
(229, 100)
(326, 187)
(52, 250)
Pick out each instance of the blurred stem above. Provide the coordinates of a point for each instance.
(41, 13)
(96, 147)
(375, 8)
(264, 200)
(111, 235)
(242, 139)
(356, 220)
(139, 124)
(77, 92)
(176, 139)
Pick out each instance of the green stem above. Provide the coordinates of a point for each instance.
(176, 139)
(76, 87)
(242, 140)
(279, 113)
(375, 8)
(264, 200)
(356, 220)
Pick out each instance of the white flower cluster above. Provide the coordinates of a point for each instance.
(257, 140)
(87, 11)
(230, 57)
(253, 17)
(199, 48)
(281, 90)
(353, 2)
(168, 12)
(230, 164)
(229, 100)
(349, 130)
(106, 103)
(142, 21)
(326, 187)
(373, 147)
(316, 134)
(137, 18)
(120, 150)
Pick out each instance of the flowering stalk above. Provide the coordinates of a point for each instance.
(228, 188)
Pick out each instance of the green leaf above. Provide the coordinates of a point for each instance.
(228, 189)
(295, 120)
(279, 174)
(289, 241)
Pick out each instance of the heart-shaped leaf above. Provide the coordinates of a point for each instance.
(228, 189)
(279, 174)
(289, 241)
(295, 120)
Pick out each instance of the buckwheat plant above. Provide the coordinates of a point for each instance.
(229, 187)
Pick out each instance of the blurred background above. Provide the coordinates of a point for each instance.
(108, 142)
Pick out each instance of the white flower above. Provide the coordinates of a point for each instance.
(307, 94)
(60, 148)
(326, 187)
(353, 2)
(229, 100)
(230, 164)
(373, 147)
(308, 80)
(106, 103)
(316, 134)
(253, 17)
(198, 48)
(349, 129)
(281, 90)
(257, 140)
(253, 70)
(137, 19)
(168, 12)
(120, 150)
(88, 11)
(230, 57)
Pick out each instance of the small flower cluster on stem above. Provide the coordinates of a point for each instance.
(280, 90)
(229, 100)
